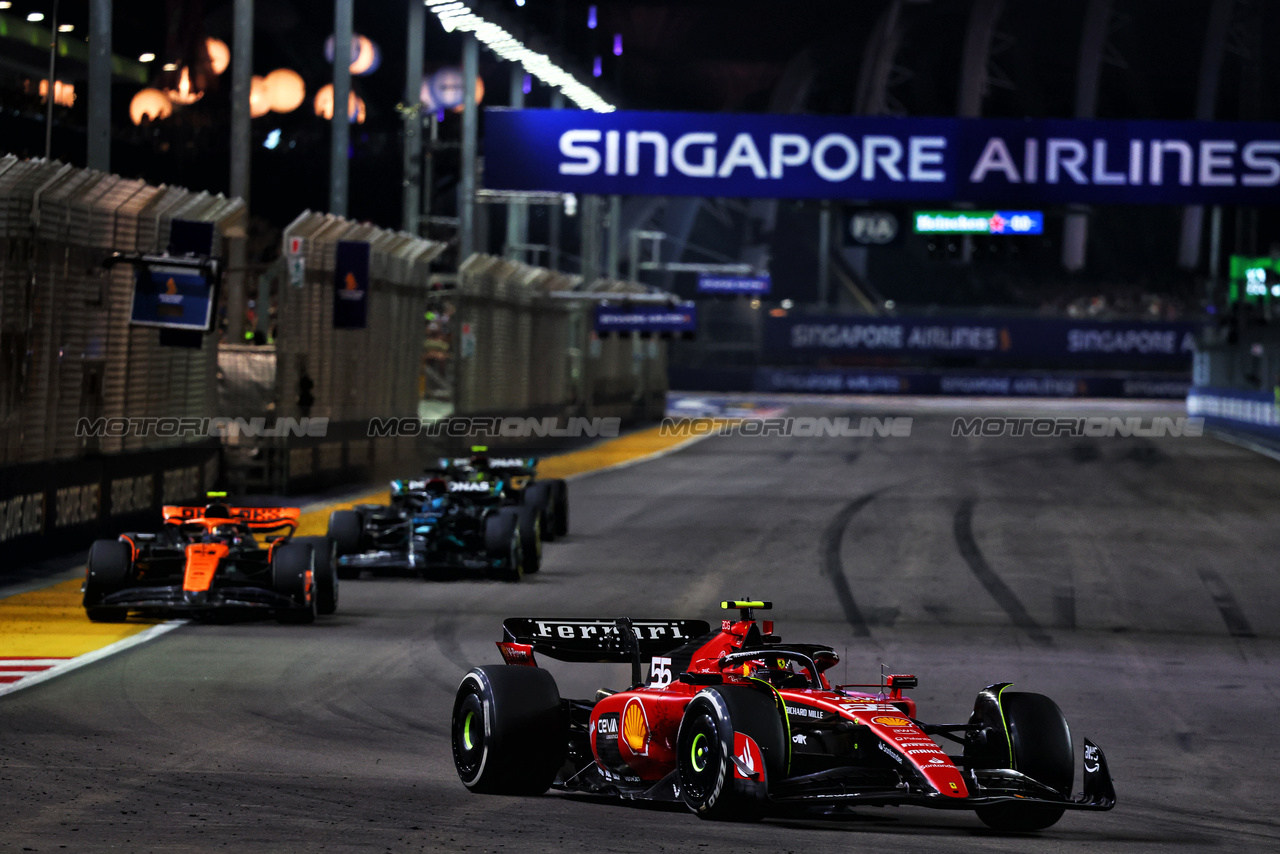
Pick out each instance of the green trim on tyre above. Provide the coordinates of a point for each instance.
(696, 752)
(466, 731)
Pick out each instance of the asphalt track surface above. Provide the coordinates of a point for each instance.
(1133, 580)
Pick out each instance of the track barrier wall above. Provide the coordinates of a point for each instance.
(520, 350)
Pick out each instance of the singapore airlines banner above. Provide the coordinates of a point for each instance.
(857, 157)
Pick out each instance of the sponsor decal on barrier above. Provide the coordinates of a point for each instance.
(75, 505)
(756, 285)
(1006, 339)
(180, 484)
(678, 318)
(21, 515)
(131, 494)
(1253, 409)
(853, 381)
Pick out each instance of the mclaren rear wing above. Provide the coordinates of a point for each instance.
(619, 641)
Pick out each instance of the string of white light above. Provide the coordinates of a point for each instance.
(455, 15)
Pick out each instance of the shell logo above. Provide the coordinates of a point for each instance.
(635, 726)
(885, 720)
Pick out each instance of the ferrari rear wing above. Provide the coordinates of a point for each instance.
(601, 640)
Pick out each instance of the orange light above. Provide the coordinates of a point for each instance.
(479, 94)
(635, 729)
(777, 312)
(150, 105)
(219, 54)
(259, 97)
(184, 94)
(366, 60)
(285, 90)
(324, 105)
(64, 94)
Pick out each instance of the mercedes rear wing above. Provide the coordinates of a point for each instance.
(618, 641)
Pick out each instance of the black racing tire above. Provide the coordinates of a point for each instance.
(560, 500)
(109, 568)
(541, 494)
(326, 572)
(290, 565)
(509, 730)
(704, 752)
(1042, 749)
(346, 529)
(502, 542)
(530, 524)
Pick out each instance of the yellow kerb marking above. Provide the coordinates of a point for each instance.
(51, 623)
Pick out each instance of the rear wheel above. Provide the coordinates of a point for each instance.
(530, 523)
(109, 568)
(560, 499)
(293, 575)
(542, 496)
(705, 750)
(502, 542)
(326, 572)
(346, 529)
(1042, 749)
(509, 730)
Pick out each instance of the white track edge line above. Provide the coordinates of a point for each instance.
(95, 655)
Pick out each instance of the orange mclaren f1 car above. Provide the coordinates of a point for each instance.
(209, 559)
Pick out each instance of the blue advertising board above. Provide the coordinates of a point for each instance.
(171, 298)
(647, 319)
(351, 285)
(1057, 339)
(878, 157)
(755, 285)
(987, 384)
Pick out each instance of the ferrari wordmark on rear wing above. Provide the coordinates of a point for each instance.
(601, 640)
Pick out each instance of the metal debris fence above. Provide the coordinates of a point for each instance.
(521, 350)
(67, 349)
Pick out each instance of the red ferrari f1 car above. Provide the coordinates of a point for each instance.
(208, 559)
(739, 725)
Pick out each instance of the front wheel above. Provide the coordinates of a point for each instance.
(530, 526)
(109, 568)
(293, 575)
(1041, 743)
(326, 572)
(509, 731)
(346, 529)
(706, 746)
(502, 543)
